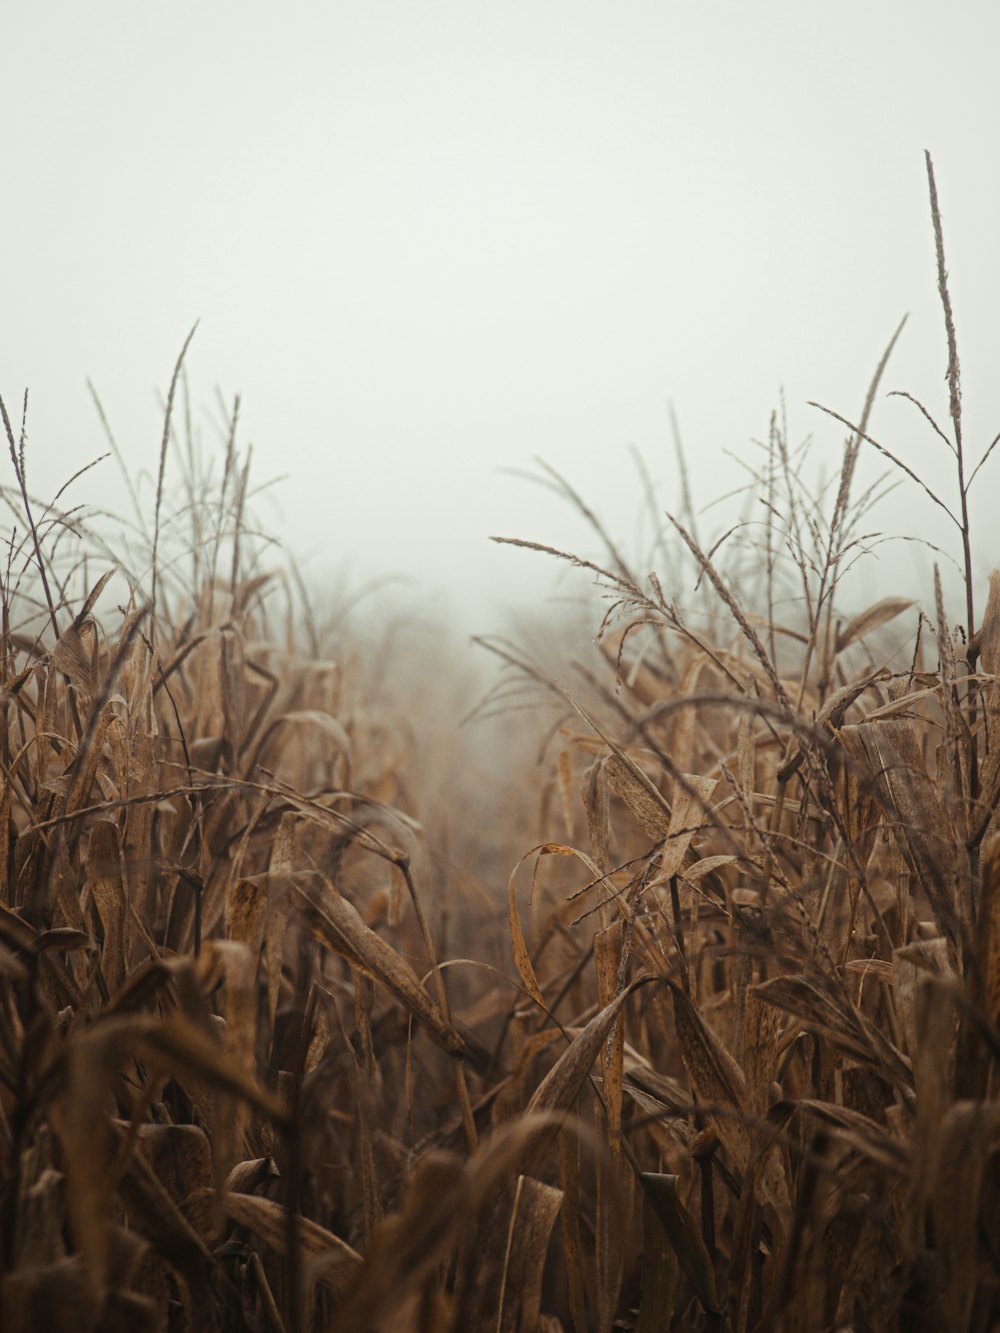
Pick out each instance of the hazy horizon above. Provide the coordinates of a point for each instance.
(429, 243)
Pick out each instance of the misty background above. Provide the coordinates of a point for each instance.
(430, 242)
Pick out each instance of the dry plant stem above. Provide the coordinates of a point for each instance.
(954, 391)
(241, 496)
(137, 513)
(687, 502)
(897, 462)
(296, 1167)
(769, 545)
(613, 550)
(675, 907)
(955, 410)
(727, 597)
(834, 553)
(162, 471)
(17, 458)
(229, 471)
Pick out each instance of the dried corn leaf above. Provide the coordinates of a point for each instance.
(157, 1217)
(876, 968)
(231, 962)
(862, 1133)
(181, 1160)
(932, 1063)
(910, 965)
(988, 931)
(522, 958)
(251, 918)
(140, 780)
(314, 720)
(612, 1236)
(687, 818)
(107, 888)
(90, 601)
(902, 703)
(683, 1234)
(280, 872)
(564, 775)
(80, 1120)
(561, 1086)
(708, 864)
(246, 907)
(989, 739)
(646, 802)
(75, 658)
(337, 924)
(989, 630)
(933, 1071)
(536, 1207)
(64, 939)
(326, 817)
(760, 1040)
(607, 961)
(518, 1148)
(716, 1078)
(967, 1134)
(888, 753)
(142, 985)
(53, 1297)
(656, 1093)
(872, 619)
(598, 811)
(836, 705)
(39, 1234)
(685, 724)
(10, 968)
(184, 1046)
(247, 1177)
(510, 1097)
(366, 1079)
(83, 771)
(989, 772)
(15, 931)
(746, 755)
(845, 1027)
(659, 1270)
(8, 834)
(569, 1180)
(407, 1246)
(761, 1023)
(327, 1259)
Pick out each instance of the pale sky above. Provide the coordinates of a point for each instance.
(430, 241)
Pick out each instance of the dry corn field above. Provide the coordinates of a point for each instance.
(707, 1038)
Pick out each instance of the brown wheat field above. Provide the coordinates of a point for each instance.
(691, 1023)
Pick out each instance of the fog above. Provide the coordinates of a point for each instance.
(428, 243)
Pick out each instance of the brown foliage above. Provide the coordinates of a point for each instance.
(741, 1068)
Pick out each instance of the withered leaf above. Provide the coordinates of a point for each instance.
(715, 1076)
(872, 619)
(337, 923)
(329, 1260)
(684, 1235)
(536, 1207)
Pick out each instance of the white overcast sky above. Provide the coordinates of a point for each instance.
(430, 241)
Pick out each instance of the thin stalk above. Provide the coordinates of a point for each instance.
(954, 392)
(17, 458)
(955, 410)
(163, 466)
